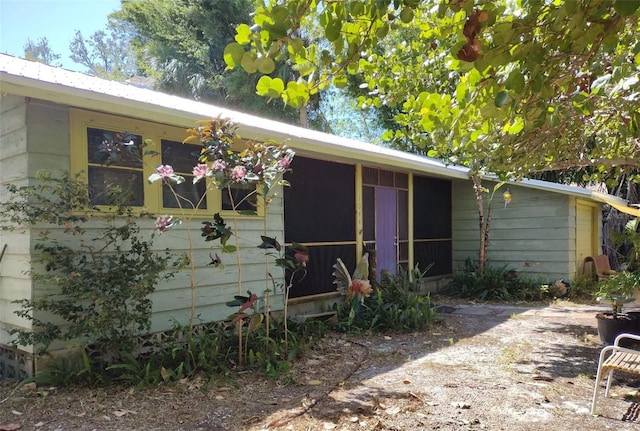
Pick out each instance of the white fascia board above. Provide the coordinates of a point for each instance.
(31, 79)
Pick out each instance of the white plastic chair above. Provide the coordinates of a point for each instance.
(615, 358)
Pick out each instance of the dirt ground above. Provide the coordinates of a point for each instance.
(482, 367)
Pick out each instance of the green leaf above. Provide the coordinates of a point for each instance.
(248, 212)
(269, 87)
(626, 7)
(501, 98)
(296, 94)
(382, 31)
(248, 62)
(406, 15)
(255, 322)
(340, 81)
(229, 249)
(357, 8)
(243, 34)
(234, 303)
(332, 30)
(502, 33)
(516, 127)
(515, 81)
(233, 55)
(265, 65)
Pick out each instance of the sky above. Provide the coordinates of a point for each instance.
(57, 20)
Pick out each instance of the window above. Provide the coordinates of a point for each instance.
(182, 158)
(241, 197)
(113, 164)
(111, 152)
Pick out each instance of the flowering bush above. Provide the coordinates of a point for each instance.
(261, 165)
(97, 280)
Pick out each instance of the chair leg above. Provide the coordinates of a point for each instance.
(609, 379)
(595, 391)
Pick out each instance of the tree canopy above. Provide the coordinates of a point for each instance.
(180, 44)
(40, 51)
(509, 86)
(106, 54)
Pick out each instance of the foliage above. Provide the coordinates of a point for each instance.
(69, 370)
(481, 84)
(354, 288)
(259, 170)
(205, 353)
(497, 284)
(182, 353)
(618, 288)
(97, 279)
(41, 51)
(629, 241)
(106, 54)
(396, 305)
(180, 45)
(555, 79)
(583, 287)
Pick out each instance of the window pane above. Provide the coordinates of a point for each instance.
(110, 148)
(386, 178)
(103, 180)
(370, 176)
(431, 208)
(241, 196)
(188, 194)
(403, 251)
(368, 213)
(403, 214)
(402, 180)
(182, 157)
(320, 204)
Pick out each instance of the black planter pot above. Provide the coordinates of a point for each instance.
(609, 327)
(635, 315)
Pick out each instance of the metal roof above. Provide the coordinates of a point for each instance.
(32, 79)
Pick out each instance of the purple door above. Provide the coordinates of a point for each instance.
(386, 235)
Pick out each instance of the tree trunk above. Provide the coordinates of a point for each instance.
(304, 120)
(484, 219)
(484, 234)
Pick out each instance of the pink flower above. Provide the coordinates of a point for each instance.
(361, 288)
(238, 173)
(165, 171)
(219, 165)
(200, 171)
(301, 257)
(166, 174)
(163, 223)
(284, 162)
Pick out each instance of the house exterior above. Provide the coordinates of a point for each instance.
(345, 197)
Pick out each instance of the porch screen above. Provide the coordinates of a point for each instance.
(319, 211)
(432, 225)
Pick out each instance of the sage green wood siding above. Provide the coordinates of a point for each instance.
(216, 286)
(35, 136)
(15, 283)
(535, 234)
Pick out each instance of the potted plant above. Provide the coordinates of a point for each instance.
(628, 243)
(618, 290)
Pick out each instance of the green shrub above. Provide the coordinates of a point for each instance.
(498, 284)
(583, 287)
(97, 280)
(396, 305)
